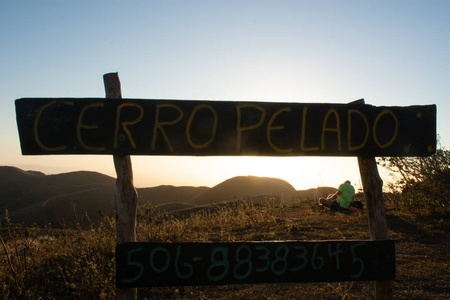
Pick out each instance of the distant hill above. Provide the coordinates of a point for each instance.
(33, 197)
(246, 186)
(68, 198)
(164, 194)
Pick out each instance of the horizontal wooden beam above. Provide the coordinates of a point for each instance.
(180, 264)
(222, 128)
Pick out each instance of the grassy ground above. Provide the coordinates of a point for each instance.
(45, 263)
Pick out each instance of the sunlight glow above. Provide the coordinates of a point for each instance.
(301, 172)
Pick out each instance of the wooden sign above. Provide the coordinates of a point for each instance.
(181, 264)
(222, 128)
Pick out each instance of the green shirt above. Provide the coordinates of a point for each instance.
(346, 196)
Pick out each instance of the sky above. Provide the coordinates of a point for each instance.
(391, 53)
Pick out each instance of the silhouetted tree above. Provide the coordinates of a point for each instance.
(420, 182)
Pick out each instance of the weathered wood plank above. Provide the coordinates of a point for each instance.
(222, 128)
(180, 264)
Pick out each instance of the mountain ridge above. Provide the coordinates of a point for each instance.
(73, 197)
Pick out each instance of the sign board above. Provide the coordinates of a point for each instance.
(181, 264)
(222, 128)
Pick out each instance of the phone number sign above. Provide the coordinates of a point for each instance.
(188, 264)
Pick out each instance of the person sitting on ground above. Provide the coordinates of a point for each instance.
(344, 197)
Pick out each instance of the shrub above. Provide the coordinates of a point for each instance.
(420, 182)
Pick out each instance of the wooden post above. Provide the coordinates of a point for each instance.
(376, 211)
(126, 195)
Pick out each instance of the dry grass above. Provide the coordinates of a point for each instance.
(45, 263)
